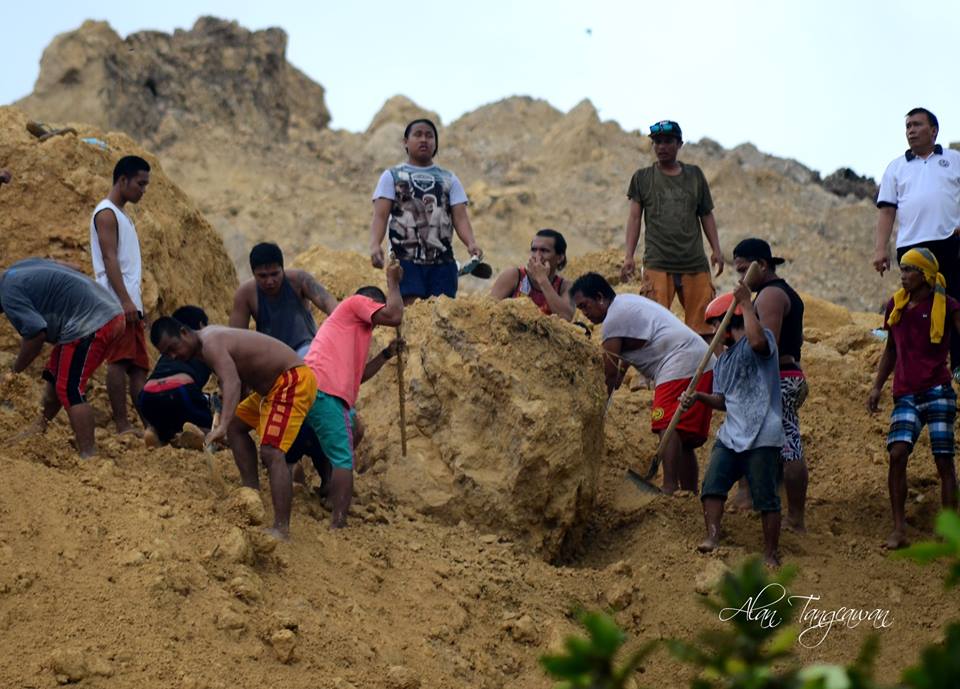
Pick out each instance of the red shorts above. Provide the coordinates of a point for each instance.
(695, 422)
(71, 364)
(132, 347)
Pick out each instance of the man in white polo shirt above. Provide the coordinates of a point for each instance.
(921, 189)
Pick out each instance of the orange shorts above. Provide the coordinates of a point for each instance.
(694, 423)
(279, 416)
(694, 289)
(131, 346)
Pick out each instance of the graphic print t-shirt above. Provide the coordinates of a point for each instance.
(421, 223)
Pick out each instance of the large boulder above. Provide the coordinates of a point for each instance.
(504, 412)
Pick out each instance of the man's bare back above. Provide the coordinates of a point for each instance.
(257, 358)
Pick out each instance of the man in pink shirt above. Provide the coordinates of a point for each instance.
(338, 359)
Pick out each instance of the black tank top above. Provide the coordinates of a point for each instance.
(284, 317)
(791, 330)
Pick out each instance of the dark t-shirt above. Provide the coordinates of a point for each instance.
(921, 364)
(672, 208)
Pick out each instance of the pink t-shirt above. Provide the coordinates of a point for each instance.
(338, 353)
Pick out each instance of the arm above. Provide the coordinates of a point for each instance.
(881, 256)
(29, 350)
(505, 284)
(378, 230)
(709, 225)
(107, 237)
(539, 273)
(377, 362)
(461, 223)
(887, 361)
(392, 313)
(712, 400)
(219, 359)
(614, 367)
(755, 336)
(633, 238)
(315, 292)
(772, 305)
(240, 315)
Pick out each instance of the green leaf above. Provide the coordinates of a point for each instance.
(824, 677)
(604, 633)
(783, 641)
(948, 526)
(925, 552)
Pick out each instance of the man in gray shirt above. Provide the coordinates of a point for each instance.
(746, 385)
(47, 301)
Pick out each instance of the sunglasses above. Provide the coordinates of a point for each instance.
(664, 126)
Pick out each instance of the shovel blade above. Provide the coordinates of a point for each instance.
(642, 483)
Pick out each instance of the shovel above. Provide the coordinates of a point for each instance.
(477, 268)
(643, 479)
(215, 478)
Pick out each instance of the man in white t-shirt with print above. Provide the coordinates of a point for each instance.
(921, 189)
(640, 332)
(115, 252)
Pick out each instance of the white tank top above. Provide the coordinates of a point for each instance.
(128, 253)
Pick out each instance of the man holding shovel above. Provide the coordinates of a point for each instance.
(640, 332)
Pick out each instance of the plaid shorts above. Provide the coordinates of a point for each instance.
(793, 392)
(935, 408)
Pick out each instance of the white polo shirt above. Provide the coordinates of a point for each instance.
(926, 194)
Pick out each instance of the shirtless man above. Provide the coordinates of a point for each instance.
(283, 392)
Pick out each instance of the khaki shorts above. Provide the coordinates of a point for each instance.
(695, 292)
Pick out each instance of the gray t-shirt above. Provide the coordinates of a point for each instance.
(672, 350)
(42, 295)
(750, 384)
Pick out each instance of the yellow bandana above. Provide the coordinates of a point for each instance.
(923, 260)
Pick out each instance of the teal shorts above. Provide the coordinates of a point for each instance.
(332, 422)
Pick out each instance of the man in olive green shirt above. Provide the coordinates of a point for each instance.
(674, 200)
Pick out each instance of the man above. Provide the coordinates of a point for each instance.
(780, 310)
(115, 252)
(746, 385)
(921, 321)
(637, 331)
(540, 279)
(277, 299)
(919, 189)
(49, 302)
(338, 359)
(283, 392)
(422, 240)
(673, 199)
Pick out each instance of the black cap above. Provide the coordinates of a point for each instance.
(754, 249)
(666, 128)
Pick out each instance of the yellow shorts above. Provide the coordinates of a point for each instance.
(278, 416)
(695, 292)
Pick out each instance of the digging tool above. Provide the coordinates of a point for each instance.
(477, 268)
(400, 386)
(215, 476)
(643, 480)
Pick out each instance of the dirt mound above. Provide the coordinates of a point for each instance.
(154, 85)
(46, 211)
(474, 365)
(845, 181)
(341, 272)
(262, 166)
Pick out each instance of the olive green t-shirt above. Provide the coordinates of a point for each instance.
(672, 208)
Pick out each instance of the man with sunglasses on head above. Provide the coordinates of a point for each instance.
(673, 199)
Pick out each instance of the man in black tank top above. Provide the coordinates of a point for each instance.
(780, 309)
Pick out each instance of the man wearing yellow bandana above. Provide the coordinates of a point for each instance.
(920, 320)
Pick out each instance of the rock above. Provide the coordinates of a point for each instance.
(247, 507)
(522, 629)
(247, 587)
(234, 547)
(620, 595)
(621, 568)
(132, 558)
(480, 363)
(845, 181)
(68, 665)
(402, 677)
(284, 643)
(708, 578)
(261, 542)
(231, 619)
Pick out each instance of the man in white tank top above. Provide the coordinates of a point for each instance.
(115, 251)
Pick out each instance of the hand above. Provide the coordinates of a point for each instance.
(215, 435)
(397, 346)
(881, 261)
(5, 177)
(743, 295)
(394, 274)
(130, 312)
(716, 258)
(873, 400)
(538, 271)
(475, 250)
(628, 268)
(687, 399)
(376, 256)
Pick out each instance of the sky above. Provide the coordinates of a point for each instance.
(826, 83)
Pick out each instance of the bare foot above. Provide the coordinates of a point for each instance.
(794, 524)
(338, 522)
(150, 438)
(190, 438)
(278, 533)
(708, 545)
(772, 560)
(896, 540)
(129, 430)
